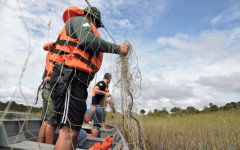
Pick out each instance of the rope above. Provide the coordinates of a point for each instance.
(139, 129)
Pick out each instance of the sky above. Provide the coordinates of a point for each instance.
(188, 51)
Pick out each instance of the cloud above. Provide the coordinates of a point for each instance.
(222, 83)
(191, 70)
(209, 45)
(155, 89)
(133, 16)
(124, 23)
(27, 96)
(205, 42)
(229, 15)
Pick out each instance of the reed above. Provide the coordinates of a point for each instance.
(219, 130)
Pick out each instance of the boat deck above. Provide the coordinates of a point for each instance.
(22, 135)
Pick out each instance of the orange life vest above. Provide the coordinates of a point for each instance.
(49, 65)
(70, 50)
(96, 146)
(105, 145)
(93, 92)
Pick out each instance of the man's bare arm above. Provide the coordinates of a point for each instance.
(100, 92)
(87, 117)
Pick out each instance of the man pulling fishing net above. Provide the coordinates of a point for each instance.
(77, 56)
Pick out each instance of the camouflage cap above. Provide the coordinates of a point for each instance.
(96, 14)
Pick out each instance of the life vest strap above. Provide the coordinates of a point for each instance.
(88, 62)
(66, 42)
(60, 52)
(51, 61)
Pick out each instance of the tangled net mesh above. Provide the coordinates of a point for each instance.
(127, 88)
(128, 77)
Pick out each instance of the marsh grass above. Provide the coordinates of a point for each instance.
(220, 130)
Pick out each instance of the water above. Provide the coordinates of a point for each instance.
(18, 115)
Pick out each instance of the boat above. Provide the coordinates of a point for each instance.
(22, 135)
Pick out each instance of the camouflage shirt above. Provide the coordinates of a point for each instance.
(79, 28)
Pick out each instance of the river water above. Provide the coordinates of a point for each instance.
(18, 115)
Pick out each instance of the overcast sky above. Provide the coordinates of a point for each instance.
(188, 51)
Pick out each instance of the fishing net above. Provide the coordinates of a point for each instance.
(128, 84)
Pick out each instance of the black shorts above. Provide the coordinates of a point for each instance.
(72, 105)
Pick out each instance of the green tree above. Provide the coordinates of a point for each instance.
(175, 109)
(164, 111)
(227, 107)
(142, 111)
(150, 113)
(192, 110)
(213, 108)
(234, 105)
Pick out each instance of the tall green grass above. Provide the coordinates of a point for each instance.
(212, 131)
(220, 130)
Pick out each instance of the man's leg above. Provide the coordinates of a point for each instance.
(103, 119)
(52, 123)
(97, 118)
(41, 137)
(73, 109)
(81, 139)
(50, 134)
(104, 125)
(95, 132)
(67, 139)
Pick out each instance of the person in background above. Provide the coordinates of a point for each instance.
(99, 92)
(48, 113)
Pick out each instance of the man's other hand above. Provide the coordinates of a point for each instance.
(93, 108)
(107, 94)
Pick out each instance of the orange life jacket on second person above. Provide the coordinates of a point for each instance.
(69, 50)
(105, 145)
(49, 64)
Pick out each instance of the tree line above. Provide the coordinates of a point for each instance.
(193, 110)
(18, 107)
